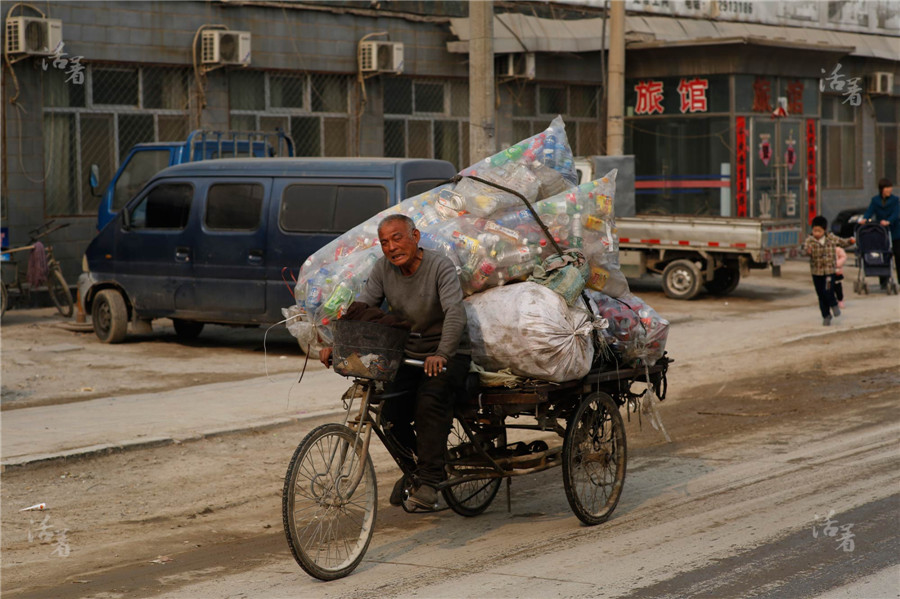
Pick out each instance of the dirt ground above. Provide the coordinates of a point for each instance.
(143, 522)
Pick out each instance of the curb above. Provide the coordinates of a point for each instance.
(103, 449)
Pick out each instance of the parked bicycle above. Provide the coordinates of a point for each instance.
(58, 289)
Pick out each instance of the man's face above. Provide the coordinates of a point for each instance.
(818, 232)
(886, 192)
(399, 246)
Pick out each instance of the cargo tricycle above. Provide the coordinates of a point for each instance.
(330, 493)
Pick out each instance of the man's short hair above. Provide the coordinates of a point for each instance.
(820, 221)
(882, 183)
(393, 218)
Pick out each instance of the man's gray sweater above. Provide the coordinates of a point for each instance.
(430, 298)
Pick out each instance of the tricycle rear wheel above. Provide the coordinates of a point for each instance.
(472, 497)
(594, 457)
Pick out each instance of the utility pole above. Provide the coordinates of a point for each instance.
(615, 106)
(482, 139)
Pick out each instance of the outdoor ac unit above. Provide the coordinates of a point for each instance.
(881, 83)
(519, 66)
(33, 35)
(225, 47)
(381, 57)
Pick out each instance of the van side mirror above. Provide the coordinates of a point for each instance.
(94, 181)
(126, 219)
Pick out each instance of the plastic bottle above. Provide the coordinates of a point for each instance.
(516, 255)
(481, 274)
(339, 299)
(577, 239)
(511, 220)
(314, 291)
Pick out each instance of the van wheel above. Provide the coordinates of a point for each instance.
(110, 316)
(681, 280)
(187, 329)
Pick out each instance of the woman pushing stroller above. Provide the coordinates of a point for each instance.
(820, 247)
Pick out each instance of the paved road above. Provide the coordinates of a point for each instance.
(733, 518)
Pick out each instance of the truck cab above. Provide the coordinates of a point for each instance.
(146, 159)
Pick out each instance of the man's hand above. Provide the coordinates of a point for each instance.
(885, 223)
(434, 365)
(325, 356)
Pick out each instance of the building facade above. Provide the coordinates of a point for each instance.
(703, 79)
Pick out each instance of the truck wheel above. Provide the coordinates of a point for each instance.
(187, 329)
(110, 316)
(681, 280)
(724, 281)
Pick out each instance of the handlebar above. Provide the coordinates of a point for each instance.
(36, 234)
(419, 363)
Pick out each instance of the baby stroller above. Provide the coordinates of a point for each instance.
(873, 253)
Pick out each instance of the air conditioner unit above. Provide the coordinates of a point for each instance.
(381, 57)
(518, 66)
(33, 35)
(880, 83)
(225, 47)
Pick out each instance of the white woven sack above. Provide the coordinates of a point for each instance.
(530, 330)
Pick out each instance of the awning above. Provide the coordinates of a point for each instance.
(515, 33)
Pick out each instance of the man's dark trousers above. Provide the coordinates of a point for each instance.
(431, 407)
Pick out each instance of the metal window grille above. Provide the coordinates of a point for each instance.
(535, 105)
(313, 108)
(98, 121)
(426, 118)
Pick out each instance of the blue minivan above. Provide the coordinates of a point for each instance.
(209, 242)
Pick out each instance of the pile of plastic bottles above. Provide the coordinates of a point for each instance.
(487, 232)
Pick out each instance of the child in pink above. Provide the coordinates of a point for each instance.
(840, 257)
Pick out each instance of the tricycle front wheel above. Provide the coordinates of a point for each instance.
(594, 456)
(329, 502)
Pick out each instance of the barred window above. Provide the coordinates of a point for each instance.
(313, 109)
(99, 121)
(840, 144)
(535, 105)
(426, 119)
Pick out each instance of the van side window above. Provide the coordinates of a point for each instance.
(414, 188)
(358, 203)
(166, 206)
(330, 208)
(234, 206)
(308, 207)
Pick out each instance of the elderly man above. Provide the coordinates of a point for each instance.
(421, 287)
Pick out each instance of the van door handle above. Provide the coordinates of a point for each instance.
(182, 254)
(255, 256)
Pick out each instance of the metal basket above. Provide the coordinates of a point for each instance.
(368, 350)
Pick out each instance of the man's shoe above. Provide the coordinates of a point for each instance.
(424, 497)
(836, 310)
(826, 321)
(399, 492)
